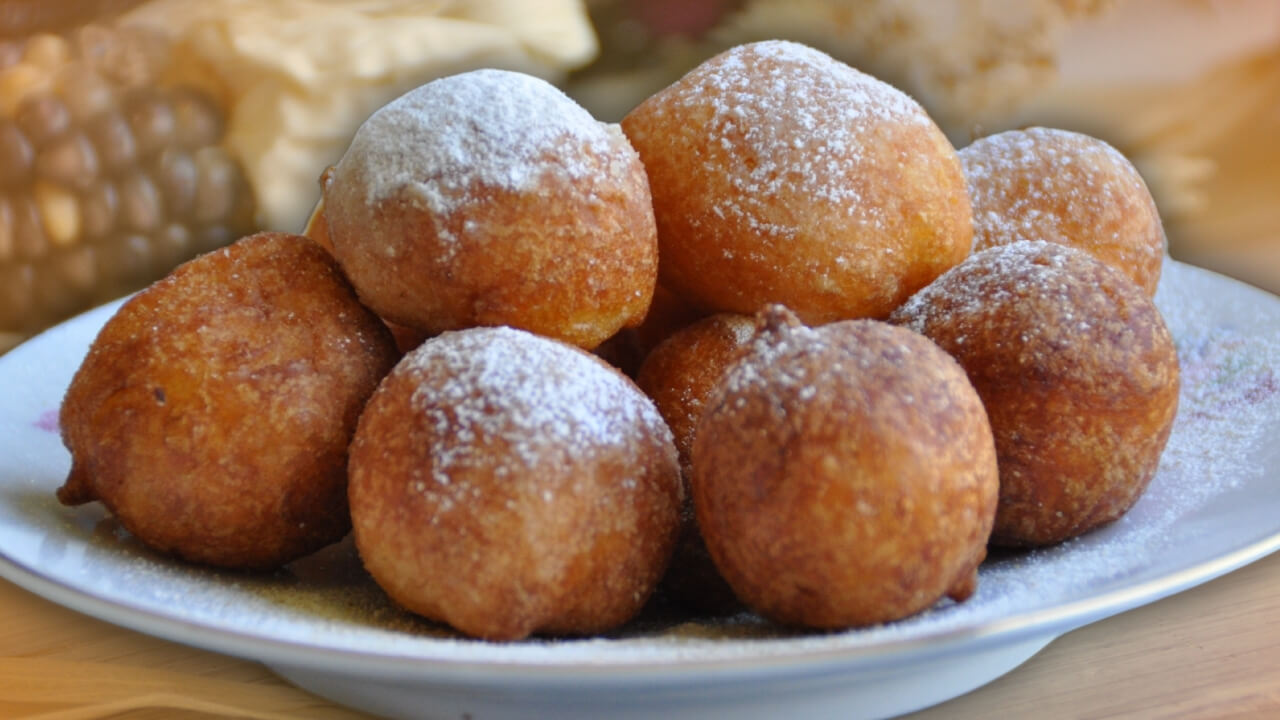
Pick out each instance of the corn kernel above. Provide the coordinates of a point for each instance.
(59, 212)
(47, 51)
(17, 83)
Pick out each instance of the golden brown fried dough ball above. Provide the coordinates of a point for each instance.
(844, 475)
(213, 411)
(317, 229)
(1077, 371)
(678, 376)
(509, 484)
(1068, 188)
(491, 198)
(781, 175)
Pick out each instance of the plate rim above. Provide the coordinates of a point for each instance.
(1054, 621)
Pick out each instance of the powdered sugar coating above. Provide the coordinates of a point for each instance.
(1068, 188)
(491, 198)
(452, 138)
(780, 113)
(506, 483)
(535, 397)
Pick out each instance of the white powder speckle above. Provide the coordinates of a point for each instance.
(773, 117)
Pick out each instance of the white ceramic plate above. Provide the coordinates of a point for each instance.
(321, 623)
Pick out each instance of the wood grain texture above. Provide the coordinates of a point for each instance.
(1210, 652)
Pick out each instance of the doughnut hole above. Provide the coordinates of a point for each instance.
(510, 206)
(844, 475)
(678, 376)
(1077, 371)
(508, 484)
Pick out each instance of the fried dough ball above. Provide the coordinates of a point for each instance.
(317, 229)
(678, 376)
(630, 346)
(491, 198)
(1068, 188)
(844, 475)
(213, 411)
(781, 175)
(508, 484)
(1077, 371)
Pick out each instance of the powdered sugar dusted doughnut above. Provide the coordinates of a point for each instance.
(844, 475)
(507, 484)
(1068, 188)
(1077, 371)
(491, 198)
(781, 175)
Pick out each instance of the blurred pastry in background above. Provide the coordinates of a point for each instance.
(1189, 90)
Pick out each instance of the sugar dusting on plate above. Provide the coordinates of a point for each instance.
(1230, 352)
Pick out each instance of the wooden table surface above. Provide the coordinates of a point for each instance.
(1209, 652)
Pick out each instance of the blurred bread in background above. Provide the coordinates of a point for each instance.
(1188, 89)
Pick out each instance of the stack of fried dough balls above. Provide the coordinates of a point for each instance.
(501, 481)
(782, 447)
(213, 412)
(782, 176)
